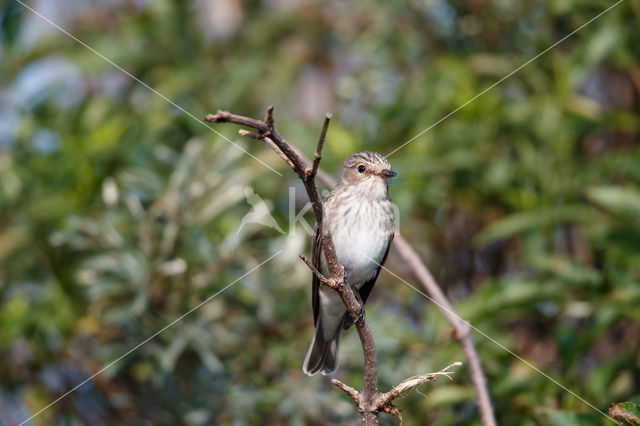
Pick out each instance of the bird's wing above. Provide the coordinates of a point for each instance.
(365, 289)
(316, 253)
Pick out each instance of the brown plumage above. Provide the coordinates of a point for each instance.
(359, 215)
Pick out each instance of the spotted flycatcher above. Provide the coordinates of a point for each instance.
(359, 217)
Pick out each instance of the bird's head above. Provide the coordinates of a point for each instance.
(367, 171)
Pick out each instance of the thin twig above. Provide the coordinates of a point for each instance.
(252, 135)
(278, 151)
(327, 281)
(414, 381)
(353, 393)
(261, 137)
(318, 155)
(227, 117)
(391, 409)
(625, 417)
(268, 118)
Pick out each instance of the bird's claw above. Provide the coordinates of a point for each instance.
(350, 321)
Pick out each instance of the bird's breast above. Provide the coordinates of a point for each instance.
(360, 229)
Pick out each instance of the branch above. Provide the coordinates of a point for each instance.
(412, 382)
(385, 400)
(318, 154)
(621, 411)
(227, 117)
(324, 280)
(348, 390)
(370, 402)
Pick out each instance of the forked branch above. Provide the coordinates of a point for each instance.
(384, 401)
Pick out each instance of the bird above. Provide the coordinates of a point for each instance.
(359, 216)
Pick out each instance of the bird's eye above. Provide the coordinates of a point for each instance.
(361, 168)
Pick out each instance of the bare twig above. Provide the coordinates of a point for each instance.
(370, 402)
(353, 393)
(225, 116)
(318, 154)
(252, 135)
(324, 280)
(412, 382)
(618, 413)
(277, 150)
(391, 409)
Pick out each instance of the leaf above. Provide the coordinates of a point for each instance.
(447, 394)
(617, 200)
(520, 222)
(627, 412)
(568, 418)
(10, 240)
(170, 354)
(502, 298)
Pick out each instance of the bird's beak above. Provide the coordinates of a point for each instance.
(388, 173)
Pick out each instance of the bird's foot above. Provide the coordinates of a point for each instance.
(350, 321)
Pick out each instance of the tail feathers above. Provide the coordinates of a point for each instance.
(322, 356)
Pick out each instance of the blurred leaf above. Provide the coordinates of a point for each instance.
(501, 299)
(10, 239)
(617, 200)
(520, 222)
(444, 394)
(566, 418)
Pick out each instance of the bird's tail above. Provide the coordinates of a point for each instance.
(322, 356)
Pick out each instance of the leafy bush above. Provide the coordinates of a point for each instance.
(120, 212)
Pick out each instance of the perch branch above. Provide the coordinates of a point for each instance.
(370, 402)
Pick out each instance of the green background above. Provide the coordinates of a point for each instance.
(119, 212)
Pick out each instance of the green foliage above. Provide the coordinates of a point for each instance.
(119, 212)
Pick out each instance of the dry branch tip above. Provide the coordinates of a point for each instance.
(411, 382)
(353, 393)
(252, 135)
(268, 118)
(391, 409)
(330, 282)
(311, 174)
